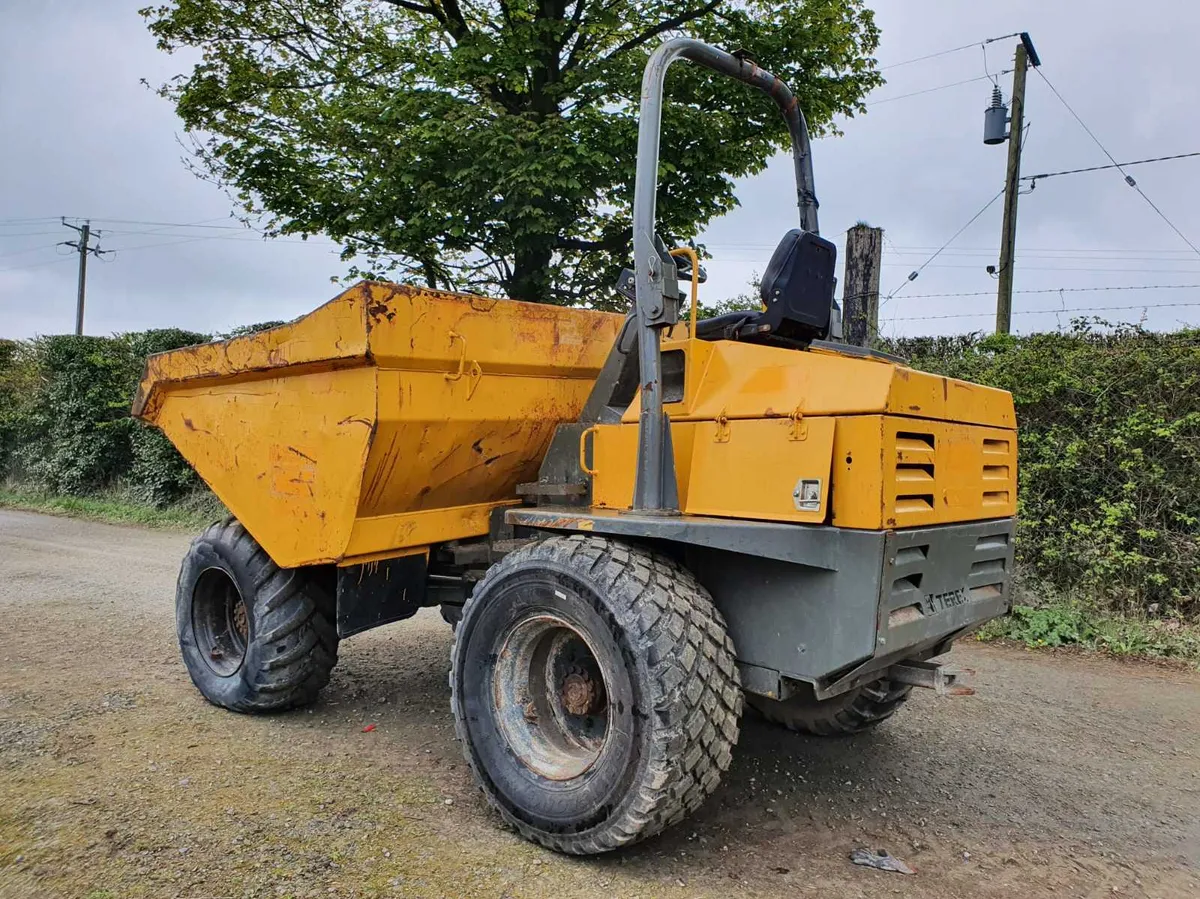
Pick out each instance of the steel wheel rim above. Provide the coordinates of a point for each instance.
(220, 621)
(550, 694)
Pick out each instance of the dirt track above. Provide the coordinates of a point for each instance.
(1063, 777)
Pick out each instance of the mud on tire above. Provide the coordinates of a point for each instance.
(852, 712)
(255, 637)
(594, 692)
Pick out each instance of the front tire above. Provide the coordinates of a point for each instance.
(255, 637)
(851, 712)
(594, 691)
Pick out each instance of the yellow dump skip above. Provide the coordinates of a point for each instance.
(390, 418)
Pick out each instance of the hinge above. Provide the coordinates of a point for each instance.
(798, 430)
(722, 435)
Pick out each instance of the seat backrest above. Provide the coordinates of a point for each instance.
(798, 286)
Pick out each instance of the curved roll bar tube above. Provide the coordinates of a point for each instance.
(656, 491)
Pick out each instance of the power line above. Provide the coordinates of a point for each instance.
(1065, 254)
(909, 62)
(164, 243)
(973, 44)
(913, 275)
(1069, 268)
(926, 318)
(1100, 168)
(1128, 178)
(6, 223)
(253, 237)
(940, 87)
(173, 224)
(21, 268)
(988, 293)
(27, 250)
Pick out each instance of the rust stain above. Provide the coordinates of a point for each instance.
(302, 455)
(378, 309)
(191, 426)
(382, 473)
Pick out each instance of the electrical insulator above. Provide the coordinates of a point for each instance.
(995, 120)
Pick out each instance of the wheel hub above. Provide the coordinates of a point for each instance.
(219, 622)
(239, 620)
(581, 694)
(550, 698)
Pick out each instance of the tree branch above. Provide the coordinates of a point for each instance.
(609, 242)
(415, 7)
(668, 25)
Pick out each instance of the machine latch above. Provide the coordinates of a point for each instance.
(799, 427)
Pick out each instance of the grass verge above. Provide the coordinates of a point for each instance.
(118, 506)
(1066, 623)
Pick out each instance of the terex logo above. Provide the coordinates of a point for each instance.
(937, 602)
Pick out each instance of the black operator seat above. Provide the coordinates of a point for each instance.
(797, 295)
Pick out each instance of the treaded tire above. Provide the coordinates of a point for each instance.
(284, 646)
(673, 697)
(852, 712)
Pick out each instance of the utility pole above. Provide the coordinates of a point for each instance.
(860, 297)
(84, 247)
(1025, 56)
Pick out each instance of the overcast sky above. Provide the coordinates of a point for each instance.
(82, 137)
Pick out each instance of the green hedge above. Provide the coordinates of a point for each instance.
(1109, 445)
(64, 415)
(70, 431)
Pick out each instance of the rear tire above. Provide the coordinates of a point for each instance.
(852, 712)
(594, 692)
(255, 637)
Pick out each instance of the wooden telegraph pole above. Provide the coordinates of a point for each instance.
(83, 245)
(1012, 182)
(860, 296)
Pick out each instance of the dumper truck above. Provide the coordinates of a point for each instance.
(635, 523)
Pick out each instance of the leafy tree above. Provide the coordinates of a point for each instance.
(490, 144)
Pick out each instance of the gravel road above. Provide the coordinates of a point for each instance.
(1063, 777)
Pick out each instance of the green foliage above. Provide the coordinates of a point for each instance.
(1064, 623)
(78, 438)
(748, 299)
(121, 505)
(1051, 626)
(243, 330)
(1109, 451)
(490, 145)
(18, 386)
(68, 429)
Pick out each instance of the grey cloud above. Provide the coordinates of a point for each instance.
(84, 137)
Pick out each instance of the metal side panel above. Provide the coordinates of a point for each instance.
(817, 546)
(829, 606)
(797, 620)
(944, 579)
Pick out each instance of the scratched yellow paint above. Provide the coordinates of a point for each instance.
(891, 447)
(390, 418)
(742, 380)
(393, 418)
